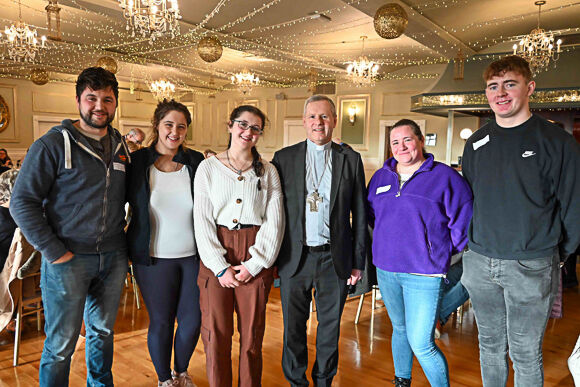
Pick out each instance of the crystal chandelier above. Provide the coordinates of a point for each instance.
(162, 89)
(364, 71)
(151, 18)
(537, 48)
(22, 40)
(245, 80)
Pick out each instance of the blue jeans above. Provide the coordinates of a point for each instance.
(412, 302)
(454, 293)
(89, 283)
(512, 300)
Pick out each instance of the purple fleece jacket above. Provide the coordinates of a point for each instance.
(418, 228)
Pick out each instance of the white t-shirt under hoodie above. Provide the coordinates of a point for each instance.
(171, 214)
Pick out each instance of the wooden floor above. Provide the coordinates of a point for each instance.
(365, 353)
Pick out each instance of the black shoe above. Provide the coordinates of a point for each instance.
(402, 382)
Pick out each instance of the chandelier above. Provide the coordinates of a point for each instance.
(245, 80)
(151, 18)
(162, 89)
(364, 71)
(537, 48)
(23, 43)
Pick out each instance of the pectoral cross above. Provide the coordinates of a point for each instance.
(313, 199)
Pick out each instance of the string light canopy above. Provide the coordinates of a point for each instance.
(538, 46)
(22, 40)
(364, 71)
(245, 81)
(151, 18)
(162, 89)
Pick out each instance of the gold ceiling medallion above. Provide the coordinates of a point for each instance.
(162, 89)
(39, 76)
(245, 81)
(390, 21)
(22, 40)
(151, 18)
(108, 64)
(4, 114)
(538, 47)
(362, 72)
(210, 49)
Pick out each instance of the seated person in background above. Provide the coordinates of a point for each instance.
(134, 139)
(5, 160)
(7, 225)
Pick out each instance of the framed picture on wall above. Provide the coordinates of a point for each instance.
(354, 120)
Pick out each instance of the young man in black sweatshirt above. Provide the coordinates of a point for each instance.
(525, 175)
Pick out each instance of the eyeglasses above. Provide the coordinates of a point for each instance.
(244, 125)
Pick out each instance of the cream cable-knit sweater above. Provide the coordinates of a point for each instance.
(222, 198)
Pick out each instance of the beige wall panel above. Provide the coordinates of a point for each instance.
(43, 102)
(270, 136)
(219, 128)
(295, 107)
(396, 103)
(134, 109)
(205, 124)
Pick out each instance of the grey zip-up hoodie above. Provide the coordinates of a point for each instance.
(67, 199)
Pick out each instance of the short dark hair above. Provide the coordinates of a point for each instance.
(97, 78)
(163, 108)
(513, 63)
(414, 127)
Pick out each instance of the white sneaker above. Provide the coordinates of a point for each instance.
(574, 363)
(168, 383)
(183, 379)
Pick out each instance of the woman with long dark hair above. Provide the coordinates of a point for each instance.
(239, 223)
(162, 241)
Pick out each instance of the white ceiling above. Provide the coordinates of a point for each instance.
(281, 43)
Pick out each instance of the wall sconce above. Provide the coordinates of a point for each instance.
(352, 111)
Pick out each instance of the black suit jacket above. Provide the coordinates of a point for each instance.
(348, 243)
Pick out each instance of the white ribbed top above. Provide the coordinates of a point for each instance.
(171, 214)
(221, 198)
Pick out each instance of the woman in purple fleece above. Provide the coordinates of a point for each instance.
(420, 210)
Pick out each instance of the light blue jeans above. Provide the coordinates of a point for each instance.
(412, 303)
(88, 284)
(512, 300)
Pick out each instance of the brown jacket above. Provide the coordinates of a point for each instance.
(20, 252)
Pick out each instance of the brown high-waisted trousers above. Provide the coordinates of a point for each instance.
(217, 309)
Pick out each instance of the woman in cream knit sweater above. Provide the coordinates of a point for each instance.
(239, 223)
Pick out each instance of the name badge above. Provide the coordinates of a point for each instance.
(119, 167)
(382, 189)
(480, 143)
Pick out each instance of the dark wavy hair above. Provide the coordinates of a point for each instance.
(235, 114)
(163, 108)
(97, 78)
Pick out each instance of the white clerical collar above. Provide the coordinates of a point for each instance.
(317, 147)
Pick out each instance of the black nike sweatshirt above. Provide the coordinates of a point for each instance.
(526, 188)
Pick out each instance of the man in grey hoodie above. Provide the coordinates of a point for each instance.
(69, 203)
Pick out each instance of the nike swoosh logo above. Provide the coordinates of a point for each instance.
(528, 154)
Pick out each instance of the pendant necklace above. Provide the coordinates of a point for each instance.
(314, 198)
(236, 170)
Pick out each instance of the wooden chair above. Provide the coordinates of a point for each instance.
(29, 301)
